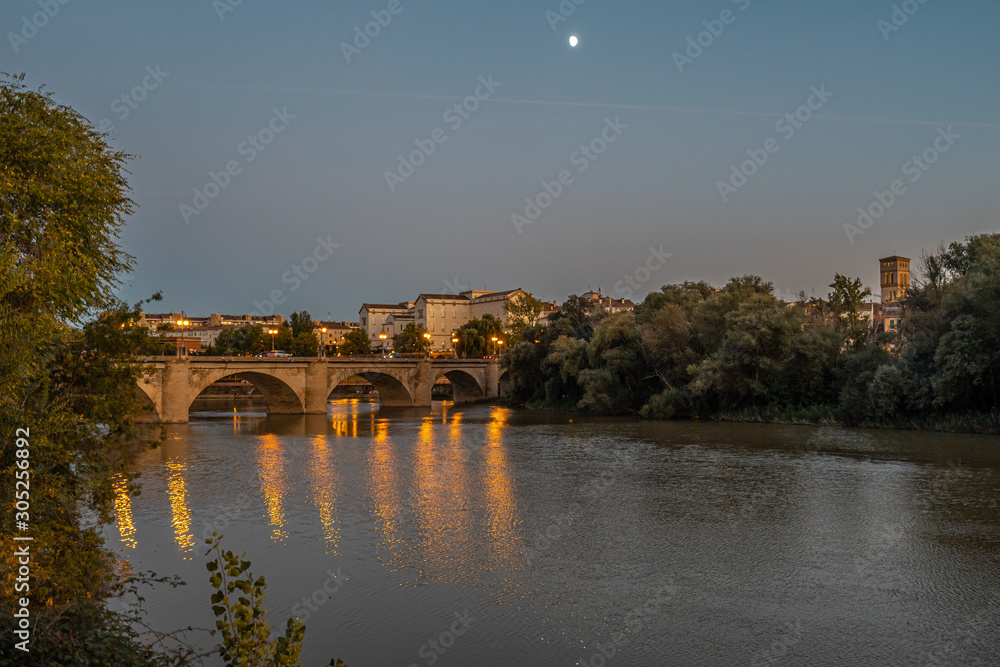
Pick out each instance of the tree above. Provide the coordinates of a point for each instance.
(411, 339)
(301, 322)
(68, 371)
(522, 311)
(249, 339)
(846, 300)
(356, 341)
(475, 336)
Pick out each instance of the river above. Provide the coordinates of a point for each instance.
(484, 536)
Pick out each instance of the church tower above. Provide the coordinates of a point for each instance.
(894, 277)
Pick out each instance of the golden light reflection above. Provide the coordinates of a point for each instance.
(271, 471)
(324, 481)
(384, 477)
(123, 511)
(501, 504)
(441, 481)
(181, 521)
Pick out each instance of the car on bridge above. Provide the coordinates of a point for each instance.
(277, 353)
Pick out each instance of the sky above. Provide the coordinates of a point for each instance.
(310, 155)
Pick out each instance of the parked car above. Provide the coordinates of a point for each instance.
(277, 353)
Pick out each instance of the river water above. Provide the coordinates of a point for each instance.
(485, 536)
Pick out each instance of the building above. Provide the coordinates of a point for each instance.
(154, 321)
(549, 309)
(383, 319)
(334, 334)
(608, 303)
(894, 279)
(442, 315)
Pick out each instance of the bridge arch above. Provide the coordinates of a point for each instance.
(148, 395)
(466, 387)
(281, 398)
(390, 383)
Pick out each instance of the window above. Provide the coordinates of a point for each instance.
(430, 312)
(432, 326)
(454, 313)
(364, 321)
(465, 314)
(420, 314)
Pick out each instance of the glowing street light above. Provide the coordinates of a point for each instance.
(428, 337)
(322, 343)
(181, 323)
(273, 332)
(382, 338)
(494, 339)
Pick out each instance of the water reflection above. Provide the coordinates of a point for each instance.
(123, 512)
(324, 479)
(383, 486)
(181, 515)
(271, 467)
(501, 501)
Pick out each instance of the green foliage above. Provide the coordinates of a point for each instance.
(238, 605)
(845, 302)
(356, 341)
(301, 322)
(68, 373)
(63, 202)
(248, 340)
(738, 352)
(411, 340)
(522, 312)
(475, 337)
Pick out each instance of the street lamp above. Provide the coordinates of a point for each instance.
(382, 338)
(500, 350)
(322, 344)
(273, 332)
(494, 350)
(181, 323)
(428, 337)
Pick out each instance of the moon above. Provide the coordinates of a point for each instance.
(573, 41)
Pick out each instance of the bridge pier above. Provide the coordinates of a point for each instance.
(317, 390)
(175, 399)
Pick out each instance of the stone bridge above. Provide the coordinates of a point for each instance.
(303, 386)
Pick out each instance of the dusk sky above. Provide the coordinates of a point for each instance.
(201, 81)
